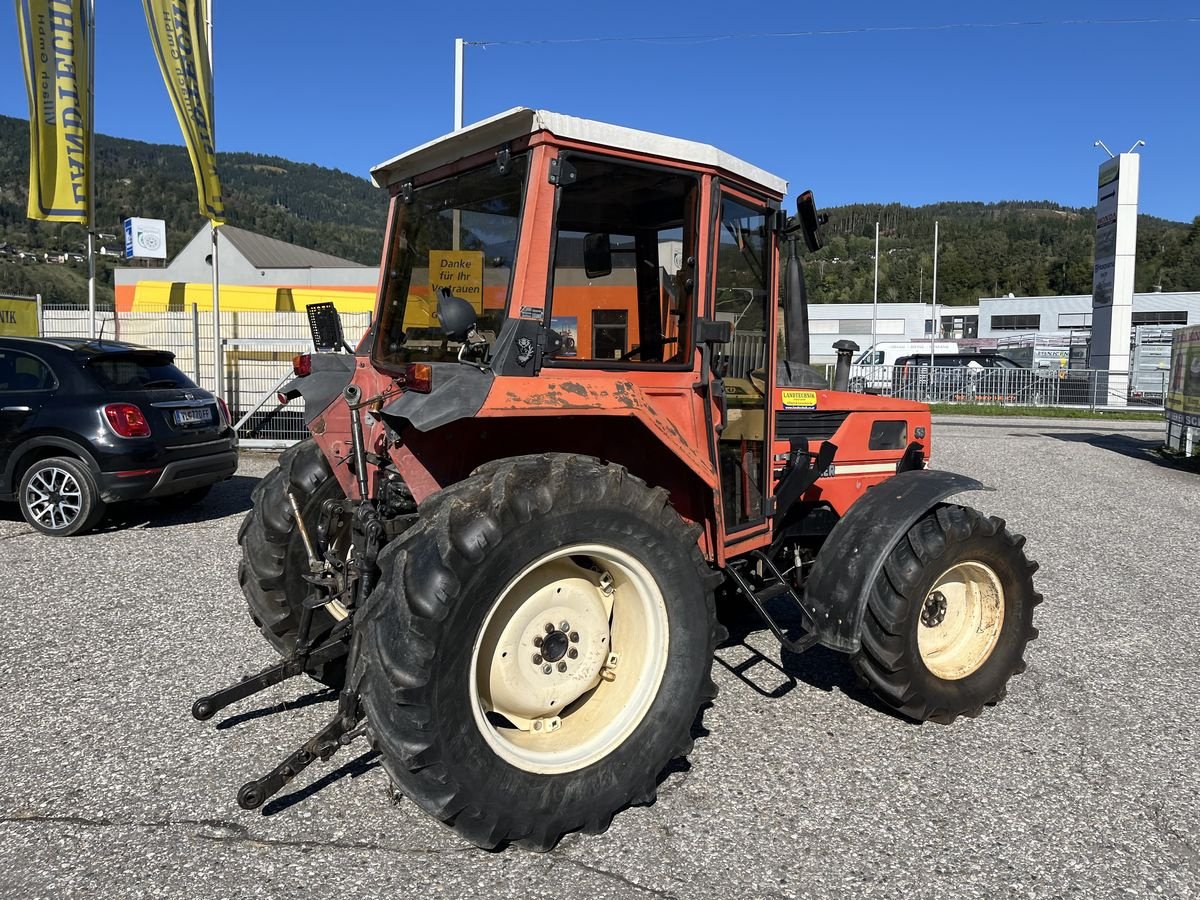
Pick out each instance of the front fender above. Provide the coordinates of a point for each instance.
(853, 554)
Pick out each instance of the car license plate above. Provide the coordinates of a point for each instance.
(201, 416)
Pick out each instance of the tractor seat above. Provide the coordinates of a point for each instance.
(798, 375)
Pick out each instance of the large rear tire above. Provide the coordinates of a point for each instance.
(537, 649)
(274, 559)
(949, 616)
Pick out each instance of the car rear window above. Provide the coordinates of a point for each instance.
(137, 372)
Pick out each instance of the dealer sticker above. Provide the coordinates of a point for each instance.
(799, 399)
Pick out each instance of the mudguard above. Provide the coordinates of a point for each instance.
(853, 554)
(330, 373)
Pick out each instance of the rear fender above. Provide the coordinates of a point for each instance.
(853, 554)
(331, 372)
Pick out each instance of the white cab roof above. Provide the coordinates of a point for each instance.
(520, 121)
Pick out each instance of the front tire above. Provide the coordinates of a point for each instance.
(949, 616)
(59, 497)
(468, 617)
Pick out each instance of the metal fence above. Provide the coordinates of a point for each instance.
(257, 350)
(256, 353)
(977, 385)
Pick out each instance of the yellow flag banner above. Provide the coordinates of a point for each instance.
(177, 30)
(54, 49)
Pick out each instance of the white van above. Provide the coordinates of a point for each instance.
(872, 371)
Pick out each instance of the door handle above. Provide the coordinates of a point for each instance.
(16, 409)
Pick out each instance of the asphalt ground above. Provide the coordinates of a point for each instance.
(1083, 783)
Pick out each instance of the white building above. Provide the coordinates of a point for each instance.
(1071, 315)
(829, 323)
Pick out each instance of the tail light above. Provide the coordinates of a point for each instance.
(127, 420)
(302, 364)
(418, 377)
(225, 411)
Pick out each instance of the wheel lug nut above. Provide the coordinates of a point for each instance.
(562, 667)
(549, 628)
(547, 669)
(574, 637)
(537, 641)
(537, 659)
(564, 626)
(572, 653)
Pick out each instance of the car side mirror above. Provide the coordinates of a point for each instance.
(456, 315)
(597, 255)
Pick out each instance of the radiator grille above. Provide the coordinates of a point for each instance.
(808, 425)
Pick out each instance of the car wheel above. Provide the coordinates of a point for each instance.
(58, 496)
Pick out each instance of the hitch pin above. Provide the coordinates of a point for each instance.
(315, 565)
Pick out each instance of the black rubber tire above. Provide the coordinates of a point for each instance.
(187, 498)
(274, 559)
(91, 507)
(889, 659)
(438, 583)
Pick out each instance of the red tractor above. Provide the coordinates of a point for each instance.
(581, 410)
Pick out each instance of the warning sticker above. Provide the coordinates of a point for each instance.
(799, 399)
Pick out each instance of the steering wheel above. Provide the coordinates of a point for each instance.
(637, 348)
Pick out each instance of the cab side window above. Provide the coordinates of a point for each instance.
(622, 282)
(22, 372)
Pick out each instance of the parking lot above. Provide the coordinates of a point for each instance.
(1083, 783)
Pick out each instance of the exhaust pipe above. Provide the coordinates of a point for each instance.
(841, 374)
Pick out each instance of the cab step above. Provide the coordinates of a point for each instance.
(772, 586)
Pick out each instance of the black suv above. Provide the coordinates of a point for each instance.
(963, 377)
(87, 423)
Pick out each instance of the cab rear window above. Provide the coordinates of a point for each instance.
(137, 372)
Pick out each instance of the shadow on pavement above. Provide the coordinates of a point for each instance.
(1133, 447)
(226, 498)
(323, 696)
(819, 667)
(360, 765)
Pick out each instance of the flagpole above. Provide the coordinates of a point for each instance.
(218, 356)
(91, 169)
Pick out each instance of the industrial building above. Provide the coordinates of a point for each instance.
(994, 319)
(257, 273)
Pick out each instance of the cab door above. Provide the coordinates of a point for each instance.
(743, 276)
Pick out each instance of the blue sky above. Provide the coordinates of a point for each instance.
(908, 116)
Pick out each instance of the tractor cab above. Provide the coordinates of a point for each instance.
(540, 268)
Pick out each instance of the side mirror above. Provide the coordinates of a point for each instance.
(597, 255)
(810, 221)
(456, 315)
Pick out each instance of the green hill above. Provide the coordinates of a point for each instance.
(986, 249)
(324, 209)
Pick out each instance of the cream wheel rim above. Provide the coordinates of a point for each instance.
(569, 659)
(961, 619)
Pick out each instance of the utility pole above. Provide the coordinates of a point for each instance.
(91, 167)
(933, 305)
(218, 356)
(875, 301)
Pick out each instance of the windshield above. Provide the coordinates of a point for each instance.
(460, 234)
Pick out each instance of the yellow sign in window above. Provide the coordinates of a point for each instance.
(460, 271)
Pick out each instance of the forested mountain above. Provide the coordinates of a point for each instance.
(985, 249)
(324, 209)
